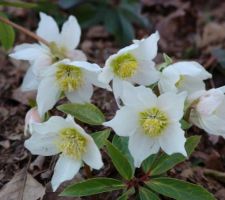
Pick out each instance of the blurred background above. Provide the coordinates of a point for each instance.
(189, 30)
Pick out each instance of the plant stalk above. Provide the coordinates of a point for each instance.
(24, 30)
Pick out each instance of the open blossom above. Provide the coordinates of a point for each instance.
(62, 45)
(133, 64)
(208, 110)
(73, 79)
(31, 117)
(183, 76)
(150, 122)
(59, 135)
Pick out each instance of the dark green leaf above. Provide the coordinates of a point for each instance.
(148, 162)
(19, 4)
(126, 33)
(7, 34)
(100, 137)
(146, 194)
(66, 4)
(167, 162)
(179, 190)
(120, 162)
(87, 112)
(133, 13)
(122, 145)
(127, 194)
(93, 186)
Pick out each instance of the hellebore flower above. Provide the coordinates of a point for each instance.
(183, 76)
(133, 64)
(62, 45)
(208, 110)
(59, 135)
(73, 79)
(150, 122)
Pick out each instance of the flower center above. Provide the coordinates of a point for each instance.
(72, 143)
(153, 121)
(124, 65)
(69, 77)
(58, 53)
(180, 81)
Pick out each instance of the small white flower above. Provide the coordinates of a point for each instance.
(73, 79)
(40, 56)
(183, 76)
(133, 64)
(150, 122)
(59, 135)
(208, 110)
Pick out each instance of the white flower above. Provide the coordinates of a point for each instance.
(150, 122)
(73, 79)
(208, 110)
(133, 64)
(62, 45)
(183, 76)
(59, 135)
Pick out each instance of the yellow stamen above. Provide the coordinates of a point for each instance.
(124, 66)
(153, 121)
(72, 143)
(180, 82)
(69, 77)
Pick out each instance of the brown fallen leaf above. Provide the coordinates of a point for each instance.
(22, 187)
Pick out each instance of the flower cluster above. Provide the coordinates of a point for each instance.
(153, 101)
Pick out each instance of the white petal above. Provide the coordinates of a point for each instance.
(70, 35)
(81, 95)
(106, 75)
(148, 48)
(140, 96)
(30, 81)
(86, 66)
(146, 73)
(27, 52)
(65, 169)
(47, 28)
(53, 125)
(76, 55)
(47, 95)
(42, 144)
(41, 63)
(92, 77)
(168, 79)
(191, 68)
(93, 156)
(173, 140)
(141, 146)
(209, 102)
(191, 85)
(125, 122)
(213, 124)
(117, 86)
(172, 104)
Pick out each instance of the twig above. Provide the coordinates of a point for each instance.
(24, 30)
(87, 171)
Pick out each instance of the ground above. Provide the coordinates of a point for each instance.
(189, 30)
